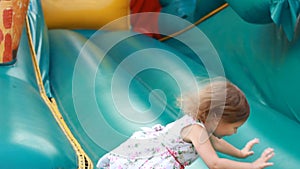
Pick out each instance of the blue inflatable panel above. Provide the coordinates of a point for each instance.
(261, 61)
(109, 84)
(30, 137)
(84, 86)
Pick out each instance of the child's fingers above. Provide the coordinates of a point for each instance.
(250, 153)
(251, 143)
(267, 151)
(268, 164)
(254, 141)
(268, 154)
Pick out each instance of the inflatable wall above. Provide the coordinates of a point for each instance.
(87, 74)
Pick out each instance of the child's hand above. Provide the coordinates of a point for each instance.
(246, 151)
(262, 161)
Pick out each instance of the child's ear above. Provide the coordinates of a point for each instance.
(203, 116)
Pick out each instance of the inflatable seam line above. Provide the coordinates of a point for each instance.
(84, 162)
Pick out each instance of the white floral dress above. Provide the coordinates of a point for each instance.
(158, 147)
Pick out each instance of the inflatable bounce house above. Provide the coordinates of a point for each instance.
(77, 78)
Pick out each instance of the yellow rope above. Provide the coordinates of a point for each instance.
(84, 162)
(196, 23)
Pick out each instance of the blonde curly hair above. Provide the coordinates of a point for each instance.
(219, 97)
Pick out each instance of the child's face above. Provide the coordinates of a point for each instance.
(227, 129)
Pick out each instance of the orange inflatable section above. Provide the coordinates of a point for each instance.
(13, 14)
(82, 14)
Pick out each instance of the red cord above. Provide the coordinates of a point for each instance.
(172, 153)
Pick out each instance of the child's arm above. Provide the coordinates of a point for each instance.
(226, 148)
(199, 138)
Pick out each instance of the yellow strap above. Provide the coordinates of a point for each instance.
(84, 162)
(196, 23)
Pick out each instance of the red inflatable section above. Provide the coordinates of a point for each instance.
(146, 23)
(6, 30)
(12, 17)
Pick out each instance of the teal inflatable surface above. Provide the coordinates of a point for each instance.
(30, 137)
(109, 84)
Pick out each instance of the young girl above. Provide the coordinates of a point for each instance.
(218, 110)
